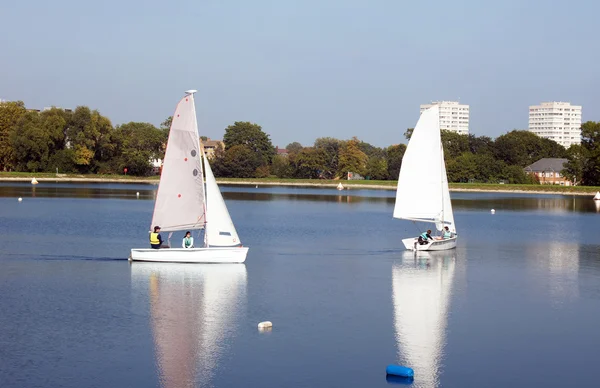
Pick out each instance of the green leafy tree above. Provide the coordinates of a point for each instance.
(238, 161)
(522, 148)
(30, 143)
(89, 136)
(331, 149)
(136, 145)
(251, 136)
(165, 126)
(480, 144)
(463, 169)
(294, 148)
(371, 150)
(309, 162)
(516, 175)
(454, 144)
(394, 155)
(55, 123)
(578, 158)
(408, 133)
(10, 113)
(377, 168)
(281, 166)
(590, 141)
(352, 159)
(475, 168)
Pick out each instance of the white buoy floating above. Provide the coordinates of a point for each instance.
(597, 196)
(34, 181)
(257, 186)
(266, 325)
(20, 199)
(493, 211)
(137, 194)
(340, 186)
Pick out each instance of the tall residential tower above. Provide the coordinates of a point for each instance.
(453, 115)
(558, 121)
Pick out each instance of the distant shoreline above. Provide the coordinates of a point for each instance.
(348, 185)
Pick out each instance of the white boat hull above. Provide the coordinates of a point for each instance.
(435, 245)
(214, 255)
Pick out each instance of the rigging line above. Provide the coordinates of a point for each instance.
(416, 226)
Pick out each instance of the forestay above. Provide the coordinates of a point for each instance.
(220, 231)
(180, 198)
(422, 193)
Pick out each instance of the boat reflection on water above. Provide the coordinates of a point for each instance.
(194, 311)
(421, 291)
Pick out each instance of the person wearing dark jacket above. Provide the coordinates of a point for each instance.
(155, 238)
(425, 237)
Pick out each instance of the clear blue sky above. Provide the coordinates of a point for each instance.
(303, 68)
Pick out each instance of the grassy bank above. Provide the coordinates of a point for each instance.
(48, 176)
(386, 185)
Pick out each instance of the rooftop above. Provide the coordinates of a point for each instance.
(547, 164)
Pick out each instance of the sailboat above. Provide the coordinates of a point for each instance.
(183, 203)
(423, 194)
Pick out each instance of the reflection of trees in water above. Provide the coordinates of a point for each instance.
(574, 203)
(464, 201)
(73, 192)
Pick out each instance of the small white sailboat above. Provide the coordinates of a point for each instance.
(597, 196)
(183, 203)
(340, 186)
(423, 194)
(34, 181)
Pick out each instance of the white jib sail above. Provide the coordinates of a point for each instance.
(220, 231)
(180, 198)
(422, 193)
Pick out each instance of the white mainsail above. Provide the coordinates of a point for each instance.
(421, 295)
(220, 231)
(180, 197)
(423, 193)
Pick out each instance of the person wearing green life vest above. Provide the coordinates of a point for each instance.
(447, 233)
(155, 238)
(425, 237)
(188, 241)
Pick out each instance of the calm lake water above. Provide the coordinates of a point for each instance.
(516, 304)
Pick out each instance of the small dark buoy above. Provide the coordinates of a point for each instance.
(399, 370)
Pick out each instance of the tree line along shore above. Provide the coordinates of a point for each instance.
(82, 141)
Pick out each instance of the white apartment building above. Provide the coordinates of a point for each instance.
(453, 115)
(558, 121)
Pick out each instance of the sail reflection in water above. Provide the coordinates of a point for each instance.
(421, 292)
(194, 310)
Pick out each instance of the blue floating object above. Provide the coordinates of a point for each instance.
(399, 370)
(399, 380)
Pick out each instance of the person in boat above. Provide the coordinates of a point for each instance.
(155, 238)
(447, 233)
(425, 237)
(188, 241)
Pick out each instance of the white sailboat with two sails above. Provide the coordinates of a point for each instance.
(423, 194)
(183, 203)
